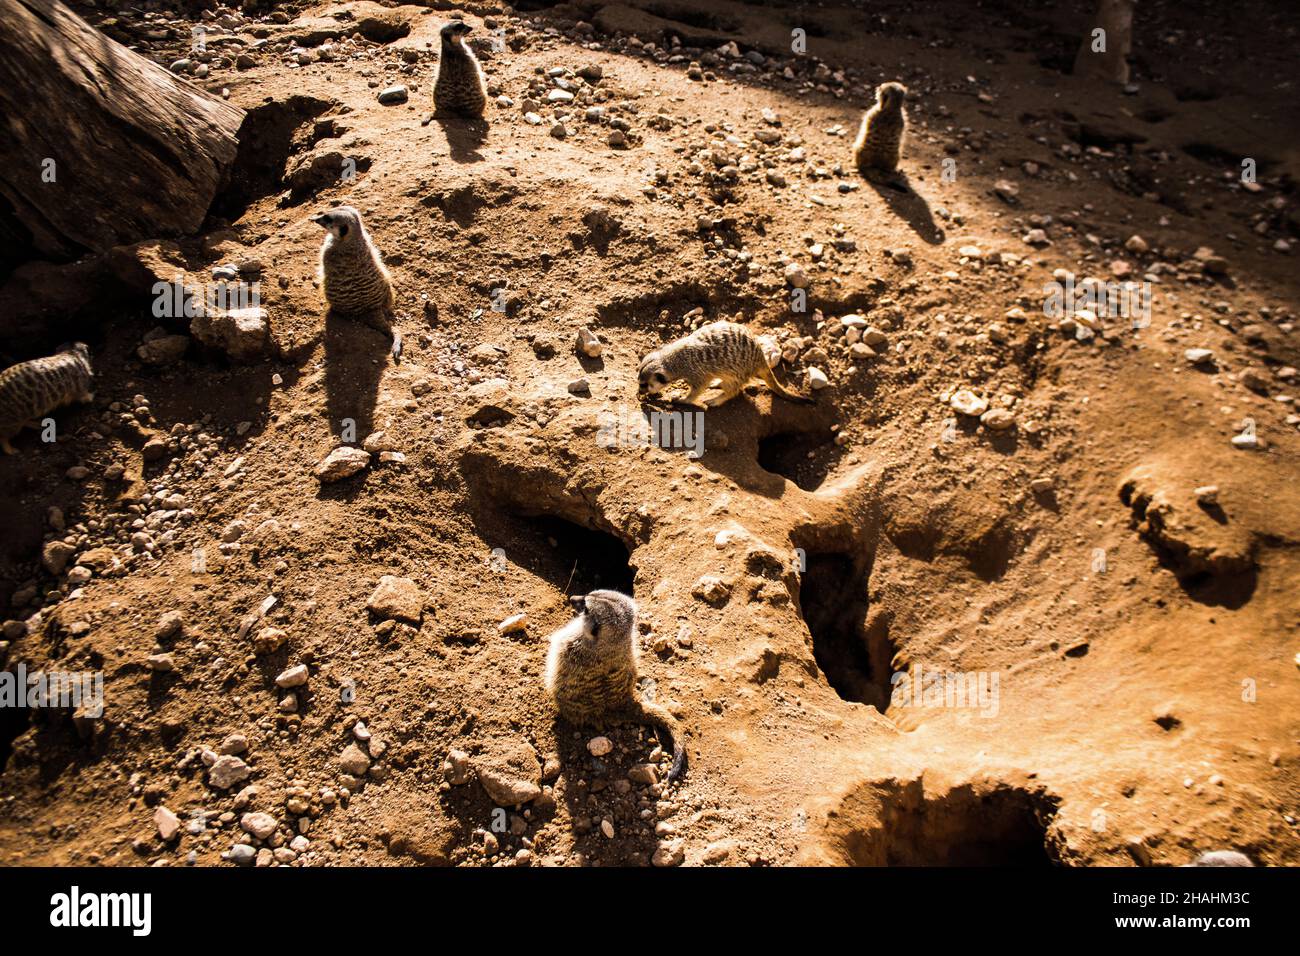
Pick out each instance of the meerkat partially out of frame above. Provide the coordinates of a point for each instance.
(31, 390)
(591, 671)
(352, 273)
(459, 89)
(880, 138)
(720, 351)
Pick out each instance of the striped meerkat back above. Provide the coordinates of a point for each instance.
(356, 281)
(722, 347)
(31, 390)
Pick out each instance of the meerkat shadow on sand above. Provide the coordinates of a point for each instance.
(906, 203)
(355, 358)
(464, 137)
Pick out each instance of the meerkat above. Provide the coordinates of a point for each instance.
(591, 671)
(31, 390)
(352, 273)
(880, 139)
(720, 351)
(459, 89)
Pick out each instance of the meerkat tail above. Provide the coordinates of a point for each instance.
(779, 389)
(669, 734)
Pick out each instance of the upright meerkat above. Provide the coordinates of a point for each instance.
(591, 671)
(880, 139)
(352, 273)
(459, 89)
(720, 351)
(31, 390)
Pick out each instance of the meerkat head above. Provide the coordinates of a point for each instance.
(651, 378)
(76, 348)
(341, 221)
(890, 96)
(606, 615)
(454, 31)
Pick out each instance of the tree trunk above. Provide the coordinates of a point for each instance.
(99, 146)
(1109, 64)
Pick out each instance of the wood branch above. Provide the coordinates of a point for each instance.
(100, 146)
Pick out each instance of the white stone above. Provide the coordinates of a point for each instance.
(342, 462)
(967, 402)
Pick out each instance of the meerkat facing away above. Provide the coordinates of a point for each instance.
(31, 390)
(459, 89)
(880, 138)
(720, 351)
(591, 671)
(352, 273)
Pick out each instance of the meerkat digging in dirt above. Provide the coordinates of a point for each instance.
(591, 671)
(720, 351)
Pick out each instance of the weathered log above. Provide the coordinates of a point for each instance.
(100, 146)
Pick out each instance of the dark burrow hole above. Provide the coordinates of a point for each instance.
(269, 135)
(1003, 827)
(852, 652)
(576, 559)
(14, 722)
(786, 454)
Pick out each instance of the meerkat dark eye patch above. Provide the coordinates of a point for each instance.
(343, 229)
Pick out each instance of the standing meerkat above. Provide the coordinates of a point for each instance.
(720, 351)
(31, 390)
(459, 89)
(591, 671)
(880, 139)
(352, 273)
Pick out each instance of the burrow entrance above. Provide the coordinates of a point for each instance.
(14, 722)
(852, 651)
(799, 456)
(269, 135)
(575, 559)
(1006, 826)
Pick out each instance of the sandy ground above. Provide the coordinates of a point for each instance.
(1128, 644)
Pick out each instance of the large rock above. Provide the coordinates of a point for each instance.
(397, 598)
(242, 334)
(167, 823)
(968, 403)
(260, 825)
(163, 349)
(228, 771)
(56, 555)
(314, 171)
(374, 22)
(343, 462)
(353, 760)
(1189, 537)
(510, 773)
